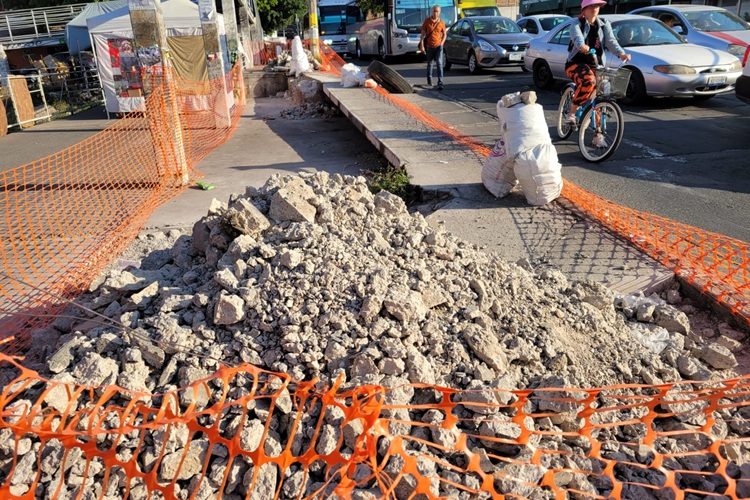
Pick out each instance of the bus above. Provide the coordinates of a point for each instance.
(397, 31)
(333, 18)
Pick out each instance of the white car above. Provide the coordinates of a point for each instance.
(662, 64)
(541, 24)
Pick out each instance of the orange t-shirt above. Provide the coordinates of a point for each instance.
(434, 31)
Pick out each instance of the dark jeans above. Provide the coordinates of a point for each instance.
(434, 54)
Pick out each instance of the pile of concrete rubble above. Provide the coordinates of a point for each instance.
(314, 276)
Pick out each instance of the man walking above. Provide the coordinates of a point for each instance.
(431, 43)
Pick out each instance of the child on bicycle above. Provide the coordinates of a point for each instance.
(589, 33)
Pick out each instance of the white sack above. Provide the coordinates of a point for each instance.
(352, 76)
(497, 172)
(539, 173)
(299, 63)
(523, 126)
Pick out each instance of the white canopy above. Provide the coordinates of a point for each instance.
(111, 34)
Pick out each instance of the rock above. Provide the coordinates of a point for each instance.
(230, 309)
(486, 347)
(246, 218)
(291, 206)
(718, 356)
(672, 319)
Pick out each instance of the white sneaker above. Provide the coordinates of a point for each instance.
(570, 119)
(599, 141)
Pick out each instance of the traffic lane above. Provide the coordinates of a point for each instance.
(680, 158)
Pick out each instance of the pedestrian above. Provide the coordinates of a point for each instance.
(589, 37)
(431, 43)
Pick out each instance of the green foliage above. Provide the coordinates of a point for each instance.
(392, 179)
(372, 6)
(277, 14)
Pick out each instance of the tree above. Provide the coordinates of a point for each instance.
(372, 6)
(277, 14)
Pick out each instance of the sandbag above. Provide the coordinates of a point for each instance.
(299, 63)
(352, 76)
(497, 172)
(539, 173)
(523, 126)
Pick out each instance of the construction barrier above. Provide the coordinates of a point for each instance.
(248, 433)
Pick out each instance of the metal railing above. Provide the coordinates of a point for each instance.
(23, 26)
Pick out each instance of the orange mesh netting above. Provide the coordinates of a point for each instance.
(244, 432)
(66, 216)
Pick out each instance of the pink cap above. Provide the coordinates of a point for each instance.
(587, 3)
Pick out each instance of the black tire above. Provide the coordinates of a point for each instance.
(636, 92)
(611, 126)
(473, 63)
(446, 64)
(542, 75)
(388, 78)
(563, 129)
(381, 50)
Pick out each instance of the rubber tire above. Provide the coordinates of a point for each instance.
(389, 78)
(446, 64)
(615, 141)
(563, 130)
(636, 92)
(542, 75)
(381, 50)
(473, 68)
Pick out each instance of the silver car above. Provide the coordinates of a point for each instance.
(705, 25)
(485, 42)
(540, 24)
(662, 64)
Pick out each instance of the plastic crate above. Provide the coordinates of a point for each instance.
(613, 83)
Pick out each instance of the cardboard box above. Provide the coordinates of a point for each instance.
(135, 93)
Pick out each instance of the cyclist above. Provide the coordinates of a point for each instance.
(589, 33)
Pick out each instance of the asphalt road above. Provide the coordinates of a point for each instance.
(684, 159)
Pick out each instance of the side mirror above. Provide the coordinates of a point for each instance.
(677, 29)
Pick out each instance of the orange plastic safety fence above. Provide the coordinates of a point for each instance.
(66, 216)
(256, 434)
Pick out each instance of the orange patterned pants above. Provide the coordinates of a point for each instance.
(585, 81)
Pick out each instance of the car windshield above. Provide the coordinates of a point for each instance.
(495, 26)
(637, 33)
(715, 20)
(550, 22)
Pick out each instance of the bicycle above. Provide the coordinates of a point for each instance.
(599, 115)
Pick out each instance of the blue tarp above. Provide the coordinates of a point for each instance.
(76, 31)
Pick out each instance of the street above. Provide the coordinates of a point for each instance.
(681, 158)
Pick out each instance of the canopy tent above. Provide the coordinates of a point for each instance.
(111, 35)
(77, 32)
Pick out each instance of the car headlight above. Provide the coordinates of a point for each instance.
(736, 50)
(328, 41)
(485, 46)
(675, 69)
(735, 66)
(400, 35)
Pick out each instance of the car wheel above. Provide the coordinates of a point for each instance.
(473, 64)
(542, 75)
(636, 92)
(381, 50)
(446, 64)
(389, 78)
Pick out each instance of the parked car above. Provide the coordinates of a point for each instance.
(541, 24)
(662, 64)
(485, 42)
(743, 82)
(705, 25)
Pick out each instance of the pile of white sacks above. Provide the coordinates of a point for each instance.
(524, 154)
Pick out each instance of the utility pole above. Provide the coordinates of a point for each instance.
(314, 33)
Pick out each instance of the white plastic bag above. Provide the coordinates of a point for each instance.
(352, 76)
(299, 63)
(539, 173)
(497, 172)
(523, 126)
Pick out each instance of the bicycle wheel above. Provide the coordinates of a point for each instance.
(564, 129)
(607, 121)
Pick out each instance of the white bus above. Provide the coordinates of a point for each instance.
(333, 18)
(396, 31)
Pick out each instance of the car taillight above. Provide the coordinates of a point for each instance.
(744, 59)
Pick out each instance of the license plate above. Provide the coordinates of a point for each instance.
(515, 56)
(716, 80)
